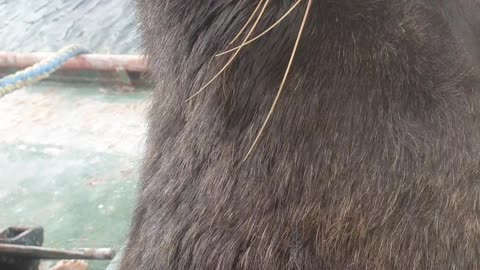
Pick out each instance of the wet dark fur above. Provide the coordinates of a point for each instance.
(371, 160)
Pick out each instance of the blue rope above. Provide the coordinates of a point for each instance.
(40, 70)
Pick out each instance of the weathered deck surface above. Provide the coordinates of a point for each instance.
(69, 157)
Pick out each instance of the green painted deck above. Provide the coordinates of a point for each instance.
(69, 159)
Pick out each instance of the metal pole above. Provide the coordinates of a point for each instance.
(95, 62)
(57, 254)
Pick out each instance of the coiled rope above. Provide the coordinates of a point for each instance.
(39, 71)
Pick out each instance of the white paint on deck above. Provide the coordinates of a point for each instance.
(78, 122)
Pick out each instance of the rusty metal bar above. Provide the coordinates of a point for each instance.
(92, 62)
(57, 254)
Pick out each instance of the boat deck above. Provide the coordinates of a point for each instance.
(69, 159)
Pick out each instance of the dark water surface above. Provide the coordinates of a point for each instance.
(103, 26)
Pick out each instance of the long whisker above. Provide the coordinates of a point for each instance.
(236, 53)
(247, 23)
(292, 57)
(264, 32)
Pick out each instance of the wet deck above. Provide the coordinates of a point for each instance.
(69, 157)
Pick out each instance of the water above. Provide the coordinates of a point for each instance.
(103, 26)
